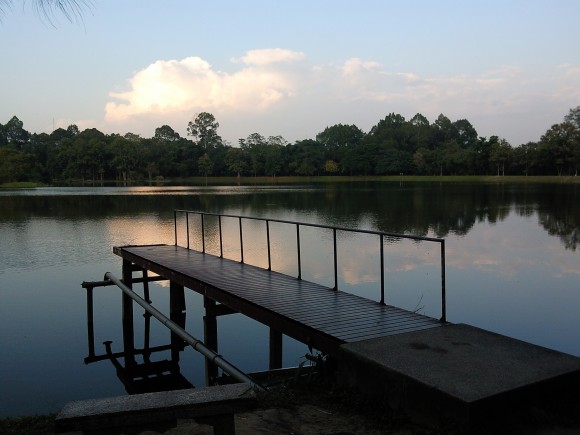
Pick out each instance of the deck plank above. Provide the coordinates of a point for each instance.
(298, 308)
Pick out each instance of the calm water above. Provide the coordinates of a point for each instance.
(513, 267)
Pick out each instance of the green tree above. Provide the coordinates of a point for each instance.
(236, 160)
(205, 166)
(274, 160)
(338, 138)
(307, 157)
(330, 167)
(525, 158)
(17, 166)
(126, 156)
(573, 117)
(255, 147)
(204, 131)
(16, 136)
(166, 133)
(501, 151)
(558, 146)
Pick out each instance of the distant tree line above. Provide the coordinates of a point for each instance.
(393, 146)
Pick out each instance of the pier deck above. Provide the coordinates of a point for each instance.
(311, 313)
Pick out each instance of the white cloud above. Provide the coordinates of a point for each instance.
(270, 56)
(192, 85)
(356, 66)
(506, 100)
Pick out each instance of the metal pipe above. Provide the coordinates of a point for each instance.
(306, 224)
(108, 282)
(197, 345)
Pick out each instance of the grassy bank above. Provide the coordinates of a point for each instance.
(217, 181)
(21, 185)
(250, 181)
(247, 181)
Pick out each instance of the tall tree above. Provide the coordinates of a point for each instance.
(236, 160)
(15, 134)
(204, 131)
(166, 133)
(501, 152)
(205, 166)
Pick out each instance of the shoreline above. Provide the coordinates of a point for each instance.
(247, 181)
(320, 407)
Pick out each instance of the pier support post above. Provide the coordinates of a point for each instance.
(90, 324)
(275, 349)
(177, 315)
(210, 338)
(128, 328)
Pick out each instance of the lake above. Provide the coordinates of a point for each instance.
(512, 267)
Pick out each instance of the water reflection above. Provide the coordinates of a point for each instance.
(438, 209)
(512, 268)
(141, 370)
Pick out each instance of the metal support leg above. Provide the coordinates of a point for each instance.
(90, 324)
(177, 315)
(210, 338)
(275, 349)
(128, 327)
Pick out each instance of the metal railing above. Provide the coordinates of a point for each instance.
(382, 236)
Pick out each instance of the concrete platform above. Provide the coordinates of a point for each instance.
(458, 372)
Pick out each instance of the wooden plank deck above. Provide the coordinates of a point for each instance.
(309, 312)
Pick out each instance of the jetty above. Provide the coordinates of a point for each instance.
(423, 365)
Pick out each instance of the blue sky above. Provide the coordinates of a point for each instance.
(292, 68)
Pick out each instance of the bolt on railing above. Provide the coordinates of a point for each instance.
(334, 229)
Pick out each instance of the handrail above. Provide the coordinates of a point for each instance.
(334, 229)
(197, 345)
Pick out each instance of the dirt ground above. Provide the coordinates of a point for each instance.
(320, 410)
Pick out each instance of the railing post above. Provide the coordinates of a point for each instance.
(443, 298)
(268, 244)
(187, 227)
(335, 260)
(382, 271)
(175, 225)
(202, 233)
(298, 249)
(241, 241)
(220, 229)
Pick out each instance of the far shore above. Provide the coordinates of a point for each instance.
(229, 181)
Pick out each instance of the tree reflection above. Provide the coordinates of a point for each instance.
(438, 209)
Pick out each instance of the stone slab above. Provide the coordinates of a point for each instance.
(147, 408)
(458, 364)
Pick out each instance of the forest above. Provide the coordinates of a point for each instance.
(394, 146)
